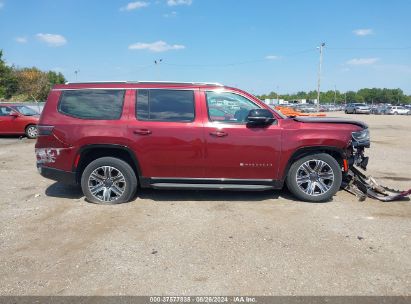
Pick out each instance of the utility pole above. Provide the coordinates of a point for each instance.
(335, 93)
(319, 75)
(345, 98)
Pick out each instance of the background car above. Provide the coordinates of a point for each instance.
(18, 119)
(398, 110)
(379, 109)
(357, 108)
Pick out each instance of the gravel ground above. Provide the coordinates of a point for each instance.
(52, 242)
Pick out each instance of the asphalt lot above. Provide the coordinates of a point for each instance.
(52, 242)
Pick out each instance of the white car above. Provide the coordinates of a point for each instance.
(398, 110)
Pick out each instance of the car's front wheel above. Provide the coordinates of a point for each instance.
(314, 178)
(108, 180)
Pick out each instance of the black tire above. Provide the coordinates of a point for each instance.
(355, 111)
(31, 131)
(346, 112)
(334, 185)
(117, 188)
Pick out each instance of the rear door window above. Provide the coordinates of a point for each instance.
(92, 104)
(165, 105)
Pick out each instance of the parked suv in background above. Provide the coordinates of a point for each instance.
(398, 110)
(357, 108)
(18, 119)
(113, 138)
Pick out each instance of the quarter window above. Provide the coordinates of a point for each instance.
(165, 105)
(92, 104)
(228, 107)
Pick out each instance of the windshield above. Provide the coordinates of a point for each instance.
(25, 110)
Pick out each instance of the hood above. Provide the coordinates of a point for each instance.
(330, 120)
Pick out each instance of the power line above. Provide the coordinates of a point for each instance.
(238, 63)
(370, 48)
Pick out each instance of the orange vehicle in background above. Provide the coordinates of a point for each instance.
(291, 112)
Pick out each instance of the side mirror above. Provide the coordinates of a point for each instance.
(260, 117)
(14, 114)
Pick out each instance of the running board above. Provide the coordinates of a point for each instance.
(211, 186)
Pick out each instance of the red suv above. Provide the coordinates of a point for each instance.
(18, 119)
(113, 138)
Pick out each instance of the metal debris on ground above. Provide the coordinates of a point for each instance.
(362, 186)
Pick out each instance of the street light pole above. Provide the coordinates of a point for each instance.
(76, 72)
(278, 101)
(157, 63)
(319, 75)
(335, 93)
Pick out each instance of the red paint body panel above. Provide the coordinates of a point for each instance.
(197, 149)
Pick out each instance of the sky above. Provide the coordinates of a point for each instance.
(257, 45)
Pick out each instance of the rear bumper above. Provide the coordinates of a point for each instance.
(65, 177)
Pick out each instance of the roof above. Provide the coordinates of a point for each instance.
(149, 82)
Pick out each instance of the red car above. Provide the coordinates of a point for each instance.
(16, 119)
(114, 138)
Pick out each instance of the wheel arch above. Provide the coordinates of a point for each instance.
(88, 153)
(335, 152)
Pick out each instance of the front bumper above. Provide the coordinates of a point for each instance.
(65, 177)
(362, 111)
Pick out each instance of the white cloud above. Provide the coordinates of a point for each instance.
(179, 2)
(362, 61)
(134, 5)
(52, 39)
(158, 46)
(21, 39)
(272, 57)
(363, 32)
(170, 15)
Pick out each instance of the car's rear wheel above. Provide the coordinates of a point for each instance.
(314, 178)
(108, 180)
(31, 131)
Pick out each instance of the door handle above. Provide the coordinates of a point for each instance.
(218, 134)
(142, 132)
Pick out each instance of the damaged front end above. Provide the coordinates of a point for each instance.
(360, 141)
(356, 182)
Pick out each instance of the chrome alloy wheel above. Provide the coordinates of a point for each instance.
(106, 183)
(32, 131)
(315, 177)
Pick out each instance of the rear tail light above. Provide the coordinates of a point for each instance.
(45, 130)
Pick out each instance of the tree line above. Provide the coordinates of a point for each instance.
(23, 84)
(370, 96)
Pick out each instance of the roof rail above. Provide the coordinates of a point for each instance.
(148, 82)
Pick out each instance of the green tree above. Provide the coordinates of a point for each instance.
(8, 81)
